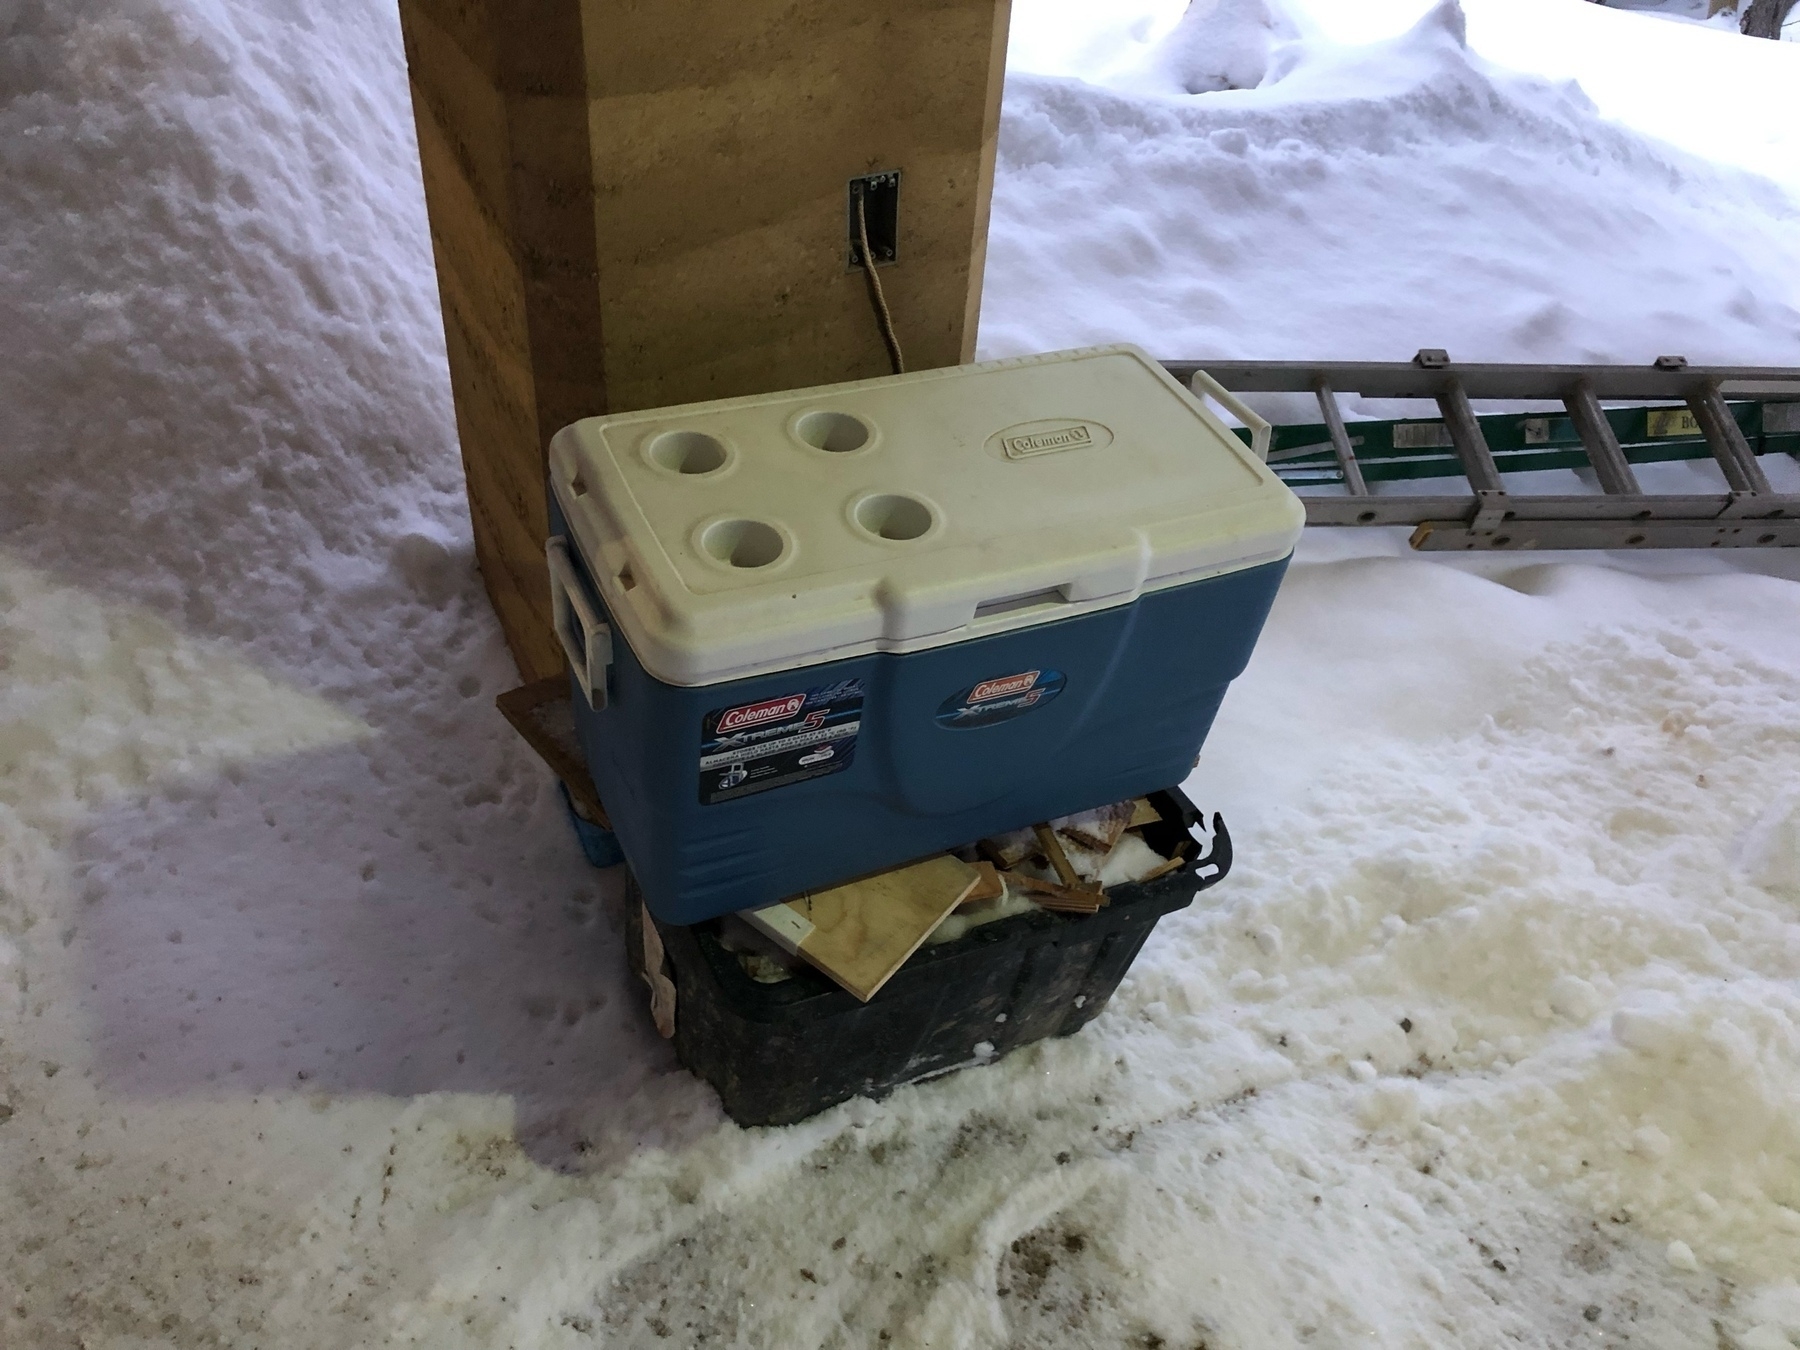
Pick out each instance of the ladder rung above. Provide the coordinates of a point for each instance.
(1727, 442)
(1603, 452)
(1471, 445)
(1340, 438)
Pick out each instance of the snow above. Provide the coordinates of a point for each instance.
(1500, 216)
(314, 1027)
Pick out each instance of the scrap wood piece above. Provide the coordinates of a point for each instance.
(1010, 849)
(656, 975)
(1055, 896)
(860, 933)
(1179, 860)
(1053, 850)
(990, 887)
(1127, 862)
(542, 714)
(1099, 829)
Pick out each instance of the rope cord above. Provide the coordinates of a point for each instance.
(876, 297)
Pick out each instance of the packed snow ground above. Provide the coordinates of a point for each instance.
(316, 1030)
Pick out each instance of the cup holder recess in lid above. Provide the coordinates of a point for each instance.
(743, 543)
(836, 432)
(686, 452)
(894, 516)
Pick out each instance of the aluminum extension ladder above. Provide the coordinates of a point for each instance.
(1728, 414)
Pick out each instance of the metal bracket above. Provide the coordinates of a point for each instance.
(1741, 504)
(879, 195)
(1491, 511)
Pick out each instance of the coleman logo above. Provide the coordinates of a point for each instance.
(1027, 440)
(755, 714)
(1000, 688)
(999, 700)
(1043, 442)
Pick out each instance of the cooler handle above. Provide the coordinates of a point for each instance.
(586, 641)
(1203, 384)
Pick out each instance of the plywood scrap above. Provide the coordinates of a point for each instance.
(860, 933)
(542, 714)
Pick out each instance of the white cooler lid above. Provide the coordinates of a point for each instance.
(758, 534)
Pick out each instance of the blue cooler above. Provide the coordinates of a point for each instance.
(823, 632)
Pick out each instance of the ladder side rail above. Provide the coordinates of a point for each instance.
(1397, 379)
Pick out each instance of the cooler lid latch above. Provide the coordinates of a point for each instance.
(586, 640)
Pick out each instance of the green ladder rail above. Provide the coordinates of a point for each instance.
(1734, 416)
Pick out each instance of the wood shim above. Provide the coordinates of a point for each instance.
(1180, 858)
(1058, 859)
(656, 975)
(860, 933)
(1142, 813)
(541, 713)
(1097, 830)
(1010, 849)
(990, 887)
(1055, 896)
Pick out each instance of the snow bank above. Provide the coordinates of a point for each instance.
(314, 1025)
(1369, 200)
(260, 830)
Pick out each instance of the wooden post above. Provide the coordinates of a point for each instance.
(636, 205)
(1765, 18)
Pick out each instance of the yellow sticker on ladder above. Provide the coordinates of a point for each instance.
(1672, 422)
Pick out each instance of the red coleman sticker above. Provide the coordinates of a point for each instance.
(1006, 684)
(755, 714)
(792, 739)
(1001, 697)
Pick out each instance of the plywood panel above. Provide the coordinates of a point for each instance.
(860, 933)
